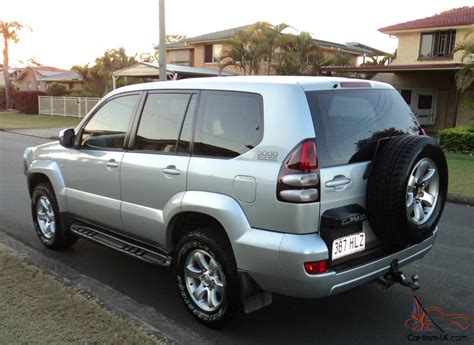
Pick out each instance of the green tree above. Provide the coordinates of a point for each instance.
(299, 55)
(97, 79)
(247, 49)
(56, 89)
(9, 32)
(465, 76)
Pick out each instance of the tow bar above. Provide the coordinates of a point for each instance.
(396, 276)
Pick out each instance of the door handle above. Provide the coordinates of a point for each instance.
(338, 182)
(171, 170)
(112, 163)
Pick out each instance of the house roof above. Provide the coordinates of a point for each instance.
(50, 74)
(455, 17)
(217, 35)
(370, 50)
(210, 37)
(352, 48)
(148, 69)
(61, 76)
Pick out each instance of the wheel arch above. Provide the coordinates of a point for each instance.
(48, 171)
(200, 209)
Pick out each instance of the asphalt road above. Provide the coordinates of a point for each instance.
(363, 315)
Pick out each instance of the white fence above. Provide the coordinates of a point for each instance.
(66, 106)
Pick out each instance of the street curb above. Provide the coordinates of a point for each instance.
(142, 316)
(460, 199)
(28, 135)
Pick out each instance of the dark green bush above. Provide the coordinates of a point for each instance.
(2, 98)
(56, 89)
(459, 139)
(27, 101)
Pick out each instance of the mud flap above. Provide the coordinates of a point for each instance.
(252, 296)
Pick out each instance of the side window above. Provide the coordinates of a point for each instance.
(187, 130)
(109, 125)
(229, 123)
(160, 122)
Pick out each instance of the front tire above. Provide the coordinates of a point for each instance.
(206, 275)
(47, 220)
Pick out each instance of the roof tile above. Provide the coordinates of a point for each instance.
(455, 17)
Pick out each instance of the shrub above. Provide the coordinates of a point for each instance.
(2, 98)
(56, 89)
(459, 139)
(27, 101)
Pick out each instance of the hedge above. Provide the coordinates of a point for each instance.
(27, 101)
(459, 139)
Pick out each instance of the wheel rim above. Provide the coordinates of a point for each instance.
(422, 191)
(45, 217)
(205, 280)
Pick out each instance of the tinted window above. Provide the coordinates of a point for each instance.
(187, 129)
(348, 123)
(229, 123)
(160, 122)
(108, 126)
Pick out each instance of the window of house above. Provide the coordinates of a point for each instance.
(212, 53)
(437, 44)
(425, 102)
(179, 57)
(161, 121)
(228, 124)
(71, 85)
(406, 95)
(109, 125)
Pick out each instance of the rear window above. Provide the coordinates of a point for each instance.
(348, 123)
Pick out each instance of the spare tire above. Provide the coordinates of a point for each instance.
(407, 188)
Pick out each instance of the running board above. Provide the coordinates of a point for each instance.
(120, 244)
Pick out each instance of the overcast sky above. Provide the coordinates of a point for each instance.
(66, 33)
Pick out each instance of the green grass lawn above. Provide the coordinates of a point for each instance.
(461, 174)
(20, 120)
(37, 309)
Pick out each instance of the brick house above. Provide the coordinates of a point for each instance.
(38, 78)
(425, 66)
(206, 50)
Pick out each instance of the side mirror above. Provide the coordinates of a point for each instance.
(67, 137)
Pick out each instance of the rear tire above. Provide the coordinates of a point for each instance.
(206, 275)
(47, 220)
(407, 188)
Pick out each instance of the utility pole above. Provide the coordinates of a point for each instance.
(162, 43)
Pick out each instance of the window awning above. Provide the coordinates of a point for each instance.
(148, 69)
(394, 68)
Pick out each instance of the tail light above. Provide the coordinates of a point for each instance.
(298, 180)
(316, 267)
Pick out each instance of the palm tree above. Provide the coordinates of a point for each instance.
(250, 46)
(9, 32)
(299, 55)
(247, 49)
(465, 76)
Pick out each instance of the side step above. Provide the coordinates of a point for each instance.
(121, 244)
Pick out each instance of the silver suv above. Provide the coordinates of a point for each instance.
(247, 186)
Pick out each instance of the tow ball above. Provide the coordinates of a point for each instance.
(394, 275)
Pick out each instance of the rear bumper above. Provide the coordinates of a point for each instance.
(293, 280)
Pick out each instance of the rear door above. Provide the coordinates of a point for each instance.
(348, 123)
(154, 169)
